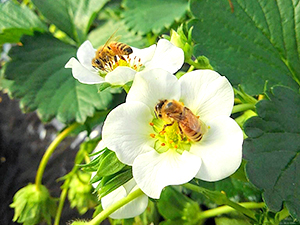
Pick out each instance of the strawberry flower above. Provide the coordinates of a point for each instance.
(163, 55)
(159, 159)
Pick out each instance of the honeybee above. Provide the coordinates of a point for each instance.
(107, 54)
(172, 111)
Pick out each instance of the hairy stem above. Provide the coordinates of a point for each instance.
(243, 107)
(227, 209)
(49, 151)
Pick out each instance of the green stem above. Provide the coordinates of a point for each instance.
(49, 151)
(192, 63)
(243, 107)
(105, 213)
(220, 198)
(227, 209)
(63, 195)
(62, 199)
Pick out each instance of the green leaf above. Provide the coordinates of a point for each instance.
(43, 84)
(272, 149)
(74, 17)
(259, 41)
(173, 205)
(16, 20)
(153, 15)
(102, 33)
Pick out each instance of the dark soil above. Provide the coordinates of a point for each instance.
(23, 141)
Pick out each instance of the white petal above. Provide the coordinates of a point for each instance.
(207, 94)
(220, 149)
(167, 56)
(82, 74)
(85, 54)
(145, 54)
(101, 145)
(151, 86)
(132, 209)
(120, 76)
(153, 171)
(126, 131)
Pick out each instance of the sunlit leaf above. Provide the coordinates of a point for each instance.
(16, 20)
(43, 84)
(153, 15)
(74, 17)
(102, 33)
(256, 42)
(273, 147)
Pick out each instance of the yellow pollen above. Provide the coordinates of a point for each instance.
(175, 146)
(171, 141)
(152, 135)
(208, 127)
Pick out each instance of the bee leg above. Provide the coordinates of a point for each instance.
(165, 126)
(181, 133)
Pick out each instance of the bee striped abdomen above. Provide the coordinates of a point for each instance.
(196, 136)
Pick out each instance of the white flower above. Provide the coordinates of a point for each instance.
(165, 55)
(134, 208)
(159, 159)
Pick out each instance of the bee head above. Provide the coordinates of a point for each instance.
(158, 107)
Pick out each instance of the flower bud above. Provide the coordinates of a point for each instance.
(80, 192)
(179, 39)
(33, 205)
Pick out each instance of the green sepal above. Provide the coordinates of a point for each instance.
(103, 86)
(109, 164)
(111, 183)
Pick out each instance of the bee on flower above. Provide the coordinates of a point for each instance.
(171, 130)
(117, 63)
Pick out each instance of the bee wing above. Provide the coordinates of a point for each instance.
(192, 122)
(112, 38)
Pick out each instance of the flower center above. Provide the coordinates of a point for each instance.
(168, 137)
(133, 63)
